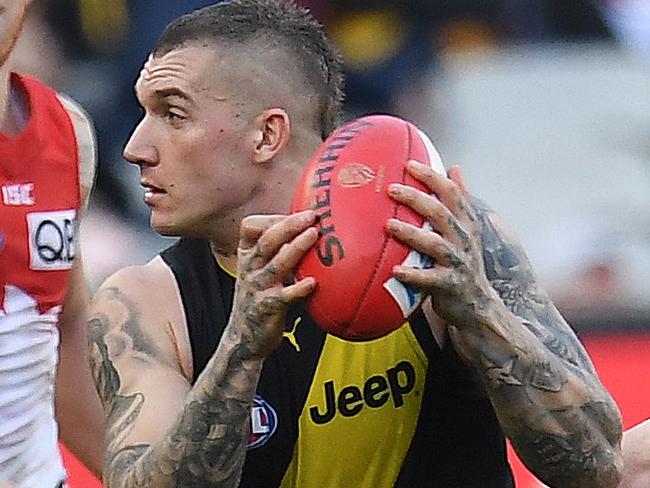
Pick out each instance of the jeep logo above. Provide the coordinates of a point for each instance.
(398, 382)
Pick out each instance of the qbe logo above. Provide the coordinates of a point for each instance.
(264, 421)
(51, 239)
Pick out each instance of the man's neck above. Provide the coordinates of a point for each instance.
(227, 262)
(224, 238)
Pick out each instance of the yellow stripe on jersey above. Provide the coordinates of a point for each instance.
(361, 413)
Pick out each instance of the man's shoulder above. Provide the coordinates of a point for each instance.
(150, 289)
(136, 277)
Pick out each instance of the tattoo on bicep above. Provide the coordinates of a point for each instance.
(130, 322)
(108, 342)
(206, 445)
(120, 468)
(107, 380)
(124, 412)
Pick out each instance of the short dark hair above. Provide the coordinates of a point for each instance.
(287, 25)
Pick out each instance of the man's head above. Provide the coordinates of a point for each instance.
(236, 96)
(12, 16)
(288, 46)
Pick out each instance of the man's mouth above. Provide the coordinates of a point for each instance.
(150, 187)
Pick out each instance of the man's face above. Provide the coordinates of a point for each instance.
(12, 16)
(192, 145)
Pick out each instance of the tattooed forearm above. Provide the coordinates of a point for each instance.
(564, 426)
(538, 376)
(571, 456)
(206, 445)
(512, 276)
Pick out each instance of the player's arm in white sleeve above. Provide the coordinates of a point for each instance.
(636, 456)
(78, 408)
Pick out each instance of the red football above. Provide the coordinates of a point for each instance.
(346, 183)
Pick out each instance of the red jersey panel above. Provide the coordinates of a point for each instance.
(39, 178)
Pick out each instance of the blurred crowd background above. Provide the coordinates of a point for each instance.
(545, 104)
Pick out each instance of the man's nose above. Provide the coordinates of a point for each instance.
(141, 149)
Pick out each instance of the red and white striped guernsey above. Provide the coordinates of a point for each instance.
(39, 179)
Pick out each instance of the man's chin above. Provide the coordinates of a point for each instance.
(168, 233)
(165, 229)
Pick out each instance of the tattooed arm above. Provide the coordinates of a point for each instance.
(545, 392)
(160, 431)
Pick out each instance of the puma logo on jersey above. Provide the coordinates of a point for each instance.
(51, 239)
(290, 335)
(374, 393)
(22, 194)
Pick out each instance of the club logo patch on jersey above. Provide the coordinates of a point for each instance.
(51, 239)
(264, 422)
(21, 194)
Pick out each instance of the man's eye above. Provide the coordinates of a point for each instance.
(174, 115)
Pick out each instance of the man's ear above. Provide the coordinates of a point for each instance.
(273, 130)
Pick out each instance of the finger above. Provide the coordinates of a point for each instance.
(436, 182)
(279, 270)
(282, 233)
(430, 279)
(433, 210)
(448, 191)
(290, 254)
(299, 290)
(253, 226)
(423, 241)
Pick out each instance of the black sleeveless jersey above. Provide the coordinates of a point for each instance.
(395, 412)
